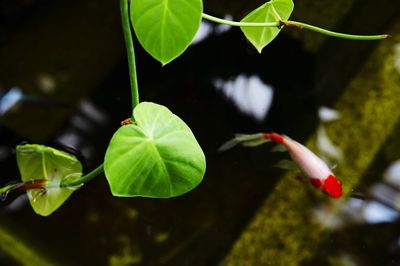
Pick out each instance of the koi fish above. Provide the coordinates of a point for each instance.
(319, 174)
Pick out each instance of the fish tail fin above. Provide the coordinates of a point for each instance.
(246, 140)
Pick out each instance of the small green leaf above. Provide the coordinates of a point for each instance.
(156, 156)
(272, 11)
(165, 28)
(41, 162)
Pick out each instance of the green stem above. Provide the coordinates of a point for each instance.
(7, 187)
(334, 34)
(241, 24)
(300, 25)
(126, 27)
(42, 183)
(72, 182)
(124, 7)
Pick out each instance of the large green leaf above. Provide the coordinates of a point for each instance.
(156, 156)
(272, 11)
(41, 162)
(165, 28)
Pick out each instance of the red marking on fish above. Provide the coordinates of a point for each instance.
(316, 182)
(275, 137)
(332, 186)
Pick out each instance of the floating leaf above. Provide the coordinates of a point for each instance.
(272, 11)
(41, 162)
(165, 28)
(156, 156)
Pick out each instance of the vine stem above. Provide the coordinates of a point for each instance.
(126, 27)
(301, 25)
(240, 24)
(73, 182)
(10, 192)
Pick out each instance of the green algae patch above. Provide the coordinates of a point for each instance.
(283, 231)
(20, 251)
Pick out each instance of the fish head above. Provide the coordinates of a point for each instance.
(332, 186)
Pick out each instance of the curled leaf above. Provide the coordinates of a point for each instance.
(41, 162)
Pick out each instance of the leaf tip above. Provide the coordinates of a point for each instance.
(164, 62)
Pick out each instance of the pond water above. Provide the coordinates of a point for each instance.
(67, 85)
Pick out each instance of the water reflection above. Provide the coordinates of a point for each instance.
(207, 28)
(10, 99)
(221, 28)
(249, 94)
(327, 114)
(83, 124)
(392, 174)
(381, 204)
(328, 151)
(376, 212)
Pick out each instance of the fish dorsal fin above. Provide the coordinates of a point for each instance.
(251, 140)
(246, 140)
(255, 143)
(286, 165)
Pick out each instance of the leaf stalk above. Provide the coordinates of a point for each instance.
(300, 25)
(73, 182)
(126, 27)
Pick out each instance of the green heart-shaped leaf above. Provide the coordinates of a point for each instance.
(41, 162)
(165, 28)
(272, 11)
(156, 156)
